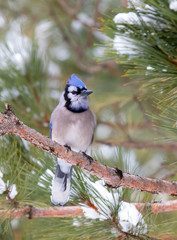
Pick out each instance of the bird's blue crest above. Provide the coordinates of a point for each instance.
(75, 81)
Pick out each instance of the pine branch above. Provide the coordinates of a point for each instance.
(113, 177)
(34, 212)
(82, 61)
(73, 11)
(158, 207)
(169, 146)
(127, 235)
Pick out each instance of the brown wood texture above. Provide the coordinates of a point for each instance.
(113, 177)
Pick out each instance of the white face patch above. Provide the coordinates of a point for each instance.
(72, 88)
(80, 103)
(72, 96)
(77, 101)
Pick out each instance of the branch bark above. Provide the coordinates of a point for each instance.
(74, 211)
(158, 207)
(113, 177)
(34, 212)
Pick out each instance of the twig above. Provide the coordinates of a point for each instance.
(71, 10)
(141, 108)
(115, 125)
(82, 61)
(140, 145)
(34, 212)
(126, 235)
(94, 67)
(170, 174)
(158, 207)
(90, 30)
(61, 28)
(124, 3)
(113, 177)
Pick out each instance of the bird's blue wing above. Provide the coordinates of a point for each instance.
(50, 128)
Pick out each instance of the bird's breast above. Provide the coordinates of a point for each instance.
(73, 129)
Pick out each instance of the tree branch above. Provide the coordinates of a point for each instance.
(34, 212)
(73, 211)
(113, 177)
(140, 145)
(158, 207)
(82, 61)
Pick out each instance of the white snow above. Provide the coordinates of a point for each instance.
(41, 185)
(54, 69)
(49, 173)
(82, 19)
(2, 21)
(54, 93)
(173, 5)
(91, 213)
(15, 223)
(150, 68)
(76, 25)
(26, 144)
(85, 19)
(2, 184)
(28, 109)
(13, 191)
(60, 52)
(125, 45)
(131, 18)
(43, 31)
(9, 93)
(129, 216)
(100, 36)
(106, 151)
(136, 3)
(103, 131)
(98, 51)
(17, 49)
(76, 222)
(122, 43)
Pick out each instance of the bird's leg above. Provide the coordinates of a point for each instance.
(88, 157)
(67, 147)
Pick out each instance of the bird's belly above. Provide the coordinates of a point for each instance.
(72, 129)
(77, 138)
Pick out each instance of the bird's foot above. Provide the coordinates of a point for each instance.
(67, 147)
(88, 157)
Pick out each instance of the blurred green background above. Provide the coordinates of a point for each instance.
(41, 44)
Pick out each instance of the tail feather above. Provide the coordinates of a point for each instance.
(61, 183)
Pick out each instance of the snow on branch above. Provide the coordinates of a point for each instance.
(112, 177)
(74, 211)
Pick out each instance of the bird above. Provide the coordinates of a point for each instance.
(72, 124)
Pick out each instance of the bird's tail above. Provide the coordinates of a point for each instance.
(61, 183)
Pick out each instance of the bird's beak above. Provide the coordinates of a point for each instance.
(86, 92)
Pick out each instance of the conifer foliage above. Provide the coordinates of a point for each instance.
(127, 56)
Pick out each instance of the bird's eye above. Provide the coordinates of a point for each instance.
(73, 92)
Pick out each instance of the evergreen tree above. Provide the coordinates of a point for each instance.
(132, 72)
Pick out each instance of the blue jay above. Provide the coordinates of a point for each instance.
(72, 124)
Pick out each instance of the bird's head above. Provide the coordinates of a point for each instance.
(76, 95)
